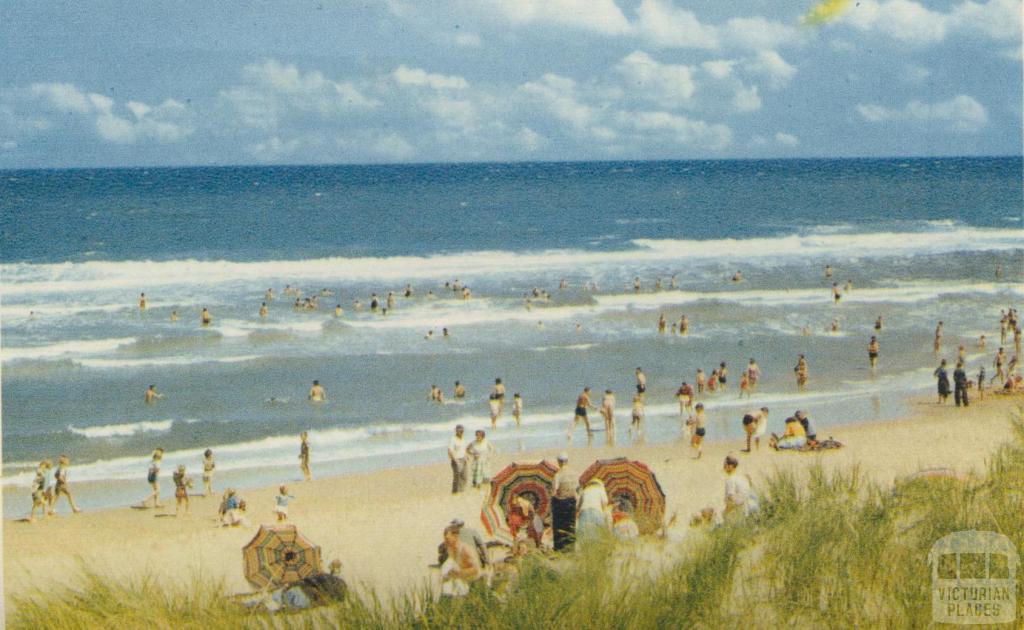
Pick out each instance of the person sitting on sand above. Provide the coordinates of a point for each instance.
(592, 509)
(40, 490)
(523, 515)
(462, 566)
(623, 525)
(795, 437)
(805, 422)
(181, 485)
(232, 509)
(469, 537)
(281, 503)
(740, 498)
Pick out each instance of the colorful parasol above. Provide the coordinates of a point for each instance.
(633, 480)
(279, 555)
(533, 481)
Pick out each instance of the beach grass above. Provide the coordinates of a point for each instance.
(828, 549)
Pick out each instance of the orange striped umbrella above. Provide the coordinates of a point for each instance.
(278, 556)
(633, 480)
(534, 481)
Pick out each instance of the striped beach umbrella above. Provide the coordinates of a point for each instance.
(279, 555)
(633, 480)
(534, 481)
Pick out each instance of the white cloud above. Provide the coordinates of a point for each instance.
(530, 140)
(275, 87)
(669, 85)
(746, 99)
(718, 68)
(63, 96)
(599, 16)
(758, 33)
(8, 145)
(453, 112)
(274, 148)
(418, 77)
(681, 129)
(786, 139)
(469, 40)
(557, 93)
(915, 74)
(666, 26)
(998, 19)
(962, 113)
(392, 147)
(904, 20)
(771, 64)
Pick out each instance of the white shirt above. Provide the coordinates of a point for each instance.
(593, 498)
(739, 493)
(457, 447)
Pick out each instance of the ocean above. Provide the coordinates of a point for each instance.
(920, 239)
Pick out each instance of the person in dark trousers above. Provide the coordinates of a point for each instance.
(960, 384)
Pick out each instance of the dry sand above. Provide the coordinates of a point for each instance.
(385, 526)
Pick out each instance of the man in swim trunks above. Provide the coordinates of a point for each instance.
(460, 391)
(152, 395)
(749, 427)
(641, 381)
(684, 325)
(263, 309)
(836, 295)
(696, 424)
(685, 396)
(873, 352)
(723, 373)
(499, 393)
(142, 301)
(753, 373)
(205, 318)
(582, 403)
(317, 393)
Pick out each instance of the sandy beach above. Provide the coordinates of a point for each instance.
(385, 526)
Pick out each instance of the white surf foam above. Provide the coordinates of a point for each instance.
(75, 347)
(123, 430)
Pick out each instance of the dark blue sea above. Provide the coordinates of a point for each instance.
(918, 240)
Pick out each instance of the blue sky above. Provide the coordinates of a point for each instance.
(115, 83)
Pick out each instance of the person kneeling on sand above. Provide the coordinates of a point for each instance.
(462, 566)
(740, 498)
(795, 436)
(232, 509)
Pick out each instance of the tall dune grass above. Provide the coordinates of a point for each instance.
(827, 550)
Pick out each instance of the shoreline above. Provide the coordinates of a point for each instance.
(385, 525)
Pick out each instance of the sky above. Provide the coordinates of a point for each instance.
(173, 82)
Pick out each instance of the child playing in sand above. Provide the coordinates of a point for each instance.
(208, 467)
(282, 499)
(181, 486)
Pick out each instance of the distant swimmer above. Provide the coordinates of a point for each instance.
(563, 285)
(317, 393)
(499, 392)
(357, 305)
(579, 327)
(636, 284)
(529, 304)
(801, 373)
(269, 295)
(684, 325)
(641, 381)
(981, 342)
(836, 293)
(608, 409)
(657, 284)
(828, 271)
(325, 292)
(391, 299)
(938, 337)
(517, 408)
(142, 301)
(723, 373)
(738, 276)
(429, 335)
(304, 456)
(152, 395)
(445, 334)
(753, 374)
(873, 352)
(834, 326)
(685, 396)
(661, 324)
(460, 391)
(673, 283)
(805, 331)
(582, 404)
(408, 291)
(494, 404)
(674, 328)
(744, 384)
(263, 309)
(999, 272)
(466, 293)
(205, 318)
(878, 324)
(849, 286)
(374, 303)
(436, 395)
(712, 384)
(338, 311)
(696, 424)
(701, 380)
(174, 316)
(430, 295)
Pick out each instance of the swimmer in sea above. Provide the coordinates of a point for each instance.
(723, 373)
(685, 396)
(878, 324)
(672, 283)
(938, 337)
(834, 326)
(828, 271)
(142, 301)
(641, 382)
(445, 334)
(563, 285)
(637, 423)
(517, 408)
(753, 374)
(674, 328)
(684, 325)
(391, 300)
(263, 309)
(408, 291)
(657, 284)
(174, 316)
(529, 304)
(338, 311)
(701, 380)
(429, 335)
(325, 292)
(430, 295)
(205, 318)
(317, 393)
(269, 295)
(495, 406)
(466, 293)
(661, 324)
(460, 391)
(436, 394)
(499, 393)
(582, 404)
(374, 303)
(744, 384)
(836, 294)
(873, 352)
(357, 305)
(712, 383)
(636, 284)
(801, 373)
(849, 286)
(297, 305)
(152, 395)
(981, 342)
(738, 276)
(608, 410)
